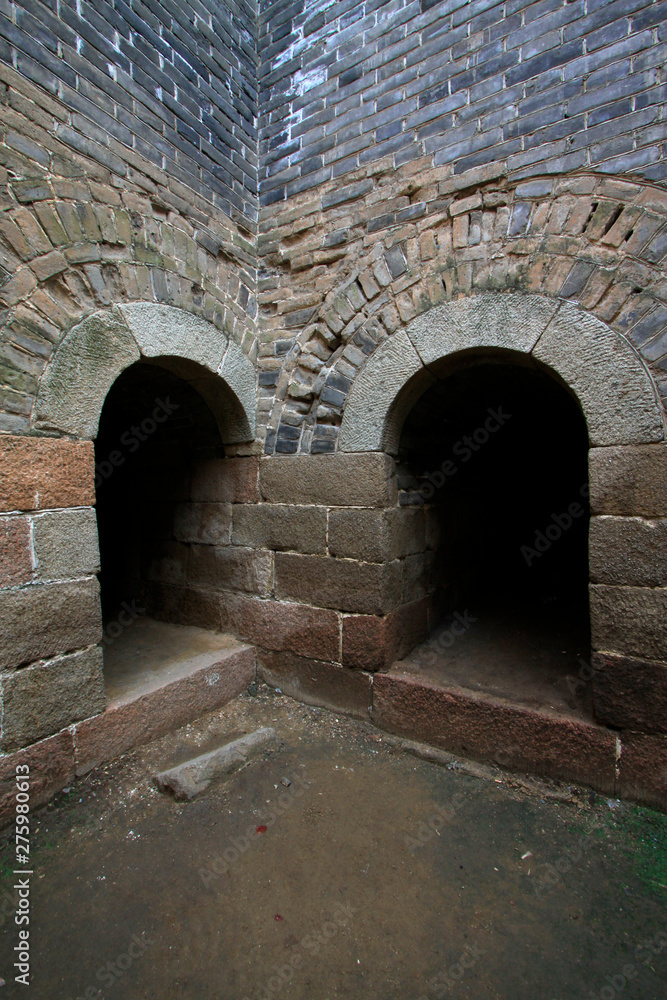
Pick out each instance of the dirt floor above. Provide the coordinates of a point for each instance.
(338, 865)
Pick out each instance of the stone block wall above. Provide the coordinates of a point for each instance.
(311, 559)
(50, 623)
(311, 177)
(629, 586)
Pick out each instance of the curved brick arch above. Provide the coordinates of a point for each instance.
(93, 354)
(596, 241)
(74, 248)
(608, 378)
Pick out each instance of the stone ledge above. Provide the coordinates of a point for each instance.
(131, 721)
(317, 683)
(488, 729)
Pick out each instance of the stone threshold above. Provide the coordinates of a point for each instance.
(161, 676)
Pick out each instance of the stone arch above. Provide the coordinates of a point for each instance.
(610, 381)
(598, 242)
(93, 354)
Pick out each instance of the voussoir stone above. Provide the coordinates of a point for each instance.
(81, 372)
(612, 385)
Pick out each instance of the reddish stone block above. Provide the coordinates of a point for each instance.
(629, 693)
(643, 769)
(226, 480)
(15, 555)
(51, 764)
(491, 730)
(317, 683)
(278, 625)
(43, 620)
(373, 643)
(42, 473)
(131, 722)
(341, 584)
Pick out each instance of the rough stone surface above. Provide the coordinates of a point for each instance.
(376, 535)
(630, 693)
(613, 387)
(336, 480)
(39, 700)
(366, 418)
(629, 481)
(373, 643)
(283, 626)
(344, 584)
(46, 619)
(187, 780)
(162, 330)
(513, 322)
(239, 374)
(66, 545)
(317, 683)
(280, 527)
(15, 555)
(184, 606)
(85, 366)
(205, 523)
(629, 620)
(38, 473)
(490, 730)
(628, 550)
(230, 568)
(51, 764)
(226, 480)
(643, 769)
(128, 724)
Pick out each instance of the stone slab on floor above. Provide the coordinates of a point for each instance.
(161, 676)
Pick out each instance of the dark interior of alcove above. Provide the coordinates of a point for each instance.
(531, 631)
(136, 498)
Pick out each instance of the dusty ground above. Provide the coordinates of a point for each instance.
(379, 876)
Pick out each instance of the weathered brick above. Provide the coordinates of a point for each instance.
(39, 473)
(366, 480)
(345, 584)
(43, 698)
(43, 620)
(15, 551)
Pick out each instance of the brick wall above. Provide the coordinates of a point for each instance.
(549, 87)
(174, 82)
(310, 559)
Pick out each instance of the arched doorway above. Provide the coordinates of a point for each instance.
(154, 428)
(496, 451)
